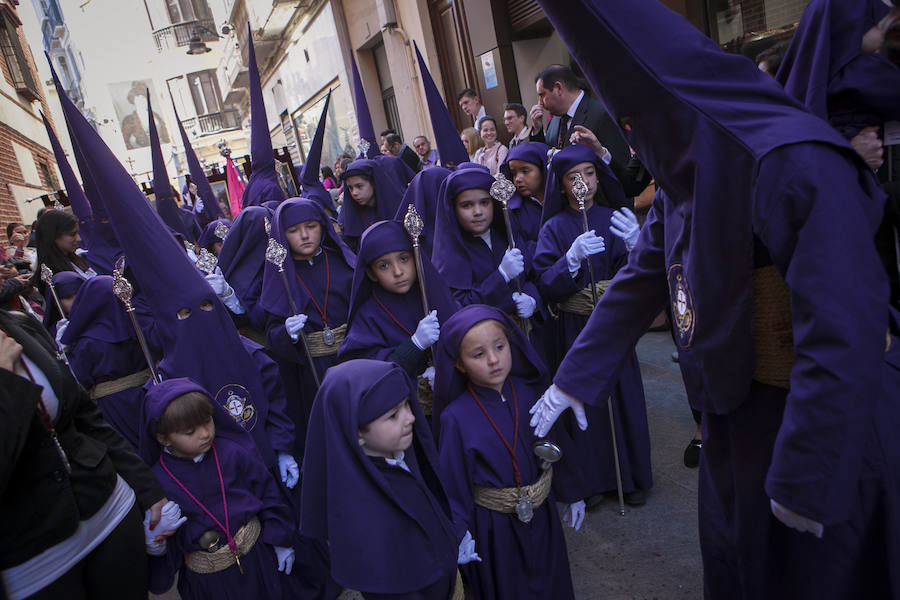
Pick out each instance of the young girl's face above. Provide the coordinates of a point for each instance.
(190, 443)
(304, 239)
(390, 433)
(362, 190)
(394, 271)
(488, 132)
(527, 177)
(465, 141)
(68, 241)
(474, 211)
(484, 355)
(589, 173)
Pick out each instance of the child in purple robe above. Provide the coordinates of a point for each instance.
(487, 377)
(471, 248)
(105, 356)
(371, 194)
(422, 193)
(209, 239)
(372, 488)
(387, 320)
(319, 272)
(526, 166)
(236, 542)
(242, 258)
(562, 250)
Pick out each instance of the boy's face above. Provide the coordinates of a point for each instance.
(394, 271)
(390, 433)
(474, 211)
(304, 239)
(362, 190)
(190, 443)
(527, 178)
(484, 355)
(589, 173)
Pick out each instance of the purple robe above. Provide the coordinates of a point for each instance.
(209, 237)
(354, 219)
(242, 259)
(525, 213)
(354, 501)
(422, 193)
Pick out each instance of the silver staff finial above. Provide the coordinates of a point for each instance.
(363, 146)
(580, 189)
(413, 223)
(46, 274)
(502, 189)
(221, 230)
(275, 253)
(267, 224)
(207, 261)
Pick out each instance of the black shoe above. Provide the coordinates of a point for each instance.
(692, 454)
(675, 356)
(635, 498)
(592, 502)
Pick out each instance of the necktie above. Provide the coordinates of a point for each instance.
(563, 132)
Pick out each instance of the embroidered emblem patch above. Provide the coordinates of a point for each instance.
(683, 316)
(236, 400)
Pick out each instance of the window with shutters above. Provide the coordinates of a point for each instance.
(18, 73)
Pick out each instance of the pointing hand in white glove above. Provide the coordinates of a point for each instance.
(574, 515)
(427, 332)
(290, 472)
(547, 409)
(625, 225)
(285, 558)
(525, 304)
(512, 264)
(294, 324)
(586, 244)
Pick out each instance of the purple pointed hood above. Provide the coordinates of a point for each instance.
(450, 382)
(204, 344)
(423, 194)
(243, 255)
(450, 146)
(98, 314)
(530, 152)
(81, 208)
(211, 208)
(609, 189)
(309, 173)
(163, 191)
(363, 116)
(291, 212)
(701, 121)
(208, 237)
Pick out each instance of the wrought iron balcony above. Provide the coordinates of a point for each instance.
(225, 120)
(180, 34)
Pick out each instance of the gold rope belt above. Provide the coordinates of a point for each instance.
(201, 561)
(458, 592)
(317, 346)
(425, 395)
(582, 301)
(524, 324)
(114, 386)
(504, 500)
(773, 332)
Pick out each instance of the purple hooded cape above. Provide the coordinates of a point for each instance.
(309, 173)
(211, 209)
(168, 209)
(373, 332)
(209, 237)
(363, 116)
(242, 258)
(355, 501)
(450, 147)
(422, 193)
(354, 219)
(826, 69)
(263, 185)
(555, 201)
(525, 213)
(170, 283)
(518, 560)
(67, 284)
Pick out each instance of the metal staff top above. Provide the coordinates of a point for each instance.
(123, 291)
(221, 230)
(502, 190)
(207, 261)
(580, 190)
(414, 225)
(47, 277)
(275, 254)
(363, 146)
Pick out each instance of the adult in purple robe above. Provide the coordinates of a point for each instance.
(320, 289)
(381, 323)
(745, 238)
(467, 262)
(525, 213)
(388, 194)
(422, 193)
(178, 219)
(518, 560)
(594, 470)
(249, 489)
(449, 146)
(399, 515)
(102, 347)
(242, 259)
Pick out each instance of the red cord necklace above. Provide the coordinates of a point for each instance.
(327, 333)
(390, 314)
(511, 448)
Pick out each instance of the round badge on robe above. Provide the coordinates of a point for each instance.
(236, 400)
(683, 317)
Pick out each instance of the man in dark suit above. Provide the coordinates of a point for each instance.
(395, 146)
(560, 94)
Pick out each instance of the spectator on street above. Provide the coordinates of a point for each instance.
(514, 117)
(396, 147)
(427, 156)
(493, 153)
(471, 104)
(471, 140)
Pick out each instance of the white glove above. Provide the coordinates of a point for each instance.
(285, 558)
(547, 409)
(217, 282)
(60, 330)
(525, 304)
(574, 515)
(429, 375)
(586, 244)
(467, 552)
(294, 324)
(191, 255)
(512, 264)
(625, 225)
(427, 332)
(795, 521)
(290, 472)
(169, 521)
(198, 205)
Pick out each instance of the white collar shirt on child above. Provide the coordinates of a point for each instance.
(398, 461)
